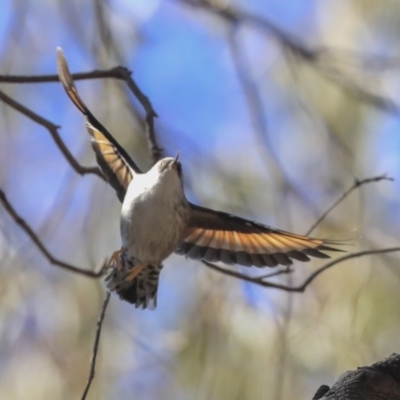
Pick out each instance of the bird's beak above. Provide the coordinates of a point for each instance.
(175, 162)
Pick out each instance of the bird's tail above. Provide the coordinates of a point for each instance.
(141, 291)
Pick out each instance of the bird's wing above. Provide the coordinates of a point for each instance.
(118, 168)
(217, 236)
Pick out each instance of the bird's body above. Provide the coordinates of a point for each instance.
(153, 219)
(154, 214)
(157, 220)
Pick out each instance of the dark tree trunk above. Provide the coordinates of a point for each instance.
(380, 381)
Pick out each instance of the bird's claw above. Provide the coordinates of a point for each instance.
(135, 272)
(115, 261)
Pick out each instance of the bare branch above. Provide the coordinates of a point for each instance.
(120, 73)
(53, 130)
(234, 15)
(303, 286)
(357, 183)
(96, 346)
(285, 271)
(29, 231)
(155, 150)
(321, 58)
(96, 74)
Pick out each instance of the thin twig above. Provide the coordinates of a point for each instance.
(155, 150)
(285, 271)
(114, 73)
(120, 73)
(96, 346)
(357, 183)
(29, 231)
(53, 130)
(303, 286)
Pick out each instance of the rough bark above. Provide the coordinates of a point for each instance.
(380, 381)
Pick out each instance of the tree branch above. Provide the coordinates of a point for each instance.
(96, 74)
(233, 15)
(120, 73)
(284, 271)
(321, 58)
(53, 130)
(260, 279)
(301, 288)
(357, 183)
(29, 231)
(155, 150)
(96, 346)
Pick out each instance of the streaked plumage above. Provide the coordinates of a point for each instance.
(156, 220)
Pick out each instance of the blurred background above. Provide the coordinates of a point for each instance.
(275, 107)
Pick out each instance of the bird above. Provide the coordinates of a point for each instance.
(158, 220)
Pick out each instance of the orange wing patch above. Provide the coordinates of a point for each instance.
(254, 243)
(110, 158)
(251, 248)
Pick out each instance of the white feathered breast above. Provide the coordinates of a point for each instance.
(153, 216)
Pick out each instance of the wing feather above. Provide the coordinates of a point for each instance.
(118, 168)
(217, 236)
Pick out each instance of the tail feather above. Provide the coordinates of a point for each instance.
(141, 291)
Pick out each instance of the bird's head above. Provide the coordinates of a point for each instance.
(168, 172)
(169, 166)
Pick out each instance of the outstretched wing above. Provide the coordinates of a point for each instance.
(217, 236)
(113, 160)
